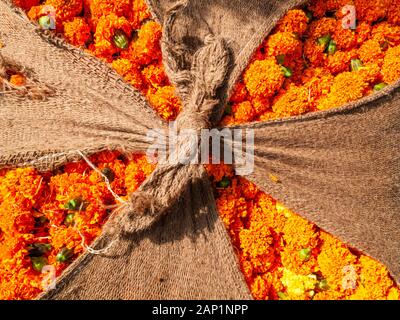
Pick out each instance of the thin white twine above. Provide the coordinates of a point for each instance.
(90, 249)
(83, 243)
(117, 197)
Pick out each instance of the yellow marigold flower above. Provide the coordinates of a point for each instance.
(394, 294)
(298, 286)
(332, 260)
(77, 31)
(374, 280)
(263, 78)
(295, 21)
(391, 65)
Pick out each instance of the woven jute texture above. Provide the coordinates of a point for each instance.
(338, 168)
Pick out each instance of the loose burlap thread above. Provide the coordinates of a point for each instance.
(337, 168)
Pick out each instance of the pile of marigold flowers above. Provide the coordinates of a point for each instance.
(308, 63)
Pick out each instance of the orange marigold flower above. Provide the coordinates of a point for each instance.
(18, 79)
(105, 31)
(146, 48)
(322, 27)
(239, 93)
(340, 61)
(77, 31)
(294, 101)
(345, 39)
(370, 51)
(257, 246)
(155, 75)
(65, 10)
(243, 112)
(346, 87)
(314, 53)
(393, 14)
(139, 13)
(391, 65)
(26, 4)
(263, 78)
(130, 72)
(165, 102)
(99, 8)
(284, 43)
(260, 105)
(371, 11)
(363, 32)
(295, 21)
(386, 34)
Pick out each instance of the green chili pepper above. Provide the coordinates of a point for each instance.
(379, 86)
(309, 15)
(280, 59)
(45, 22)
(64, 255)
(356, 64)
(305, 254)
(331, 48)
(69, 219)
(120, 40)
(324, 41)
(38, 249)
(228, 109)
(286, 72)
(224, 183)
(322, 285)
(282, 296)
(38, 263)
(74, 204)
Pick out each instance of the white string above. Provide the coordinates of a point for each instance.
(117, 197)
(90, 249)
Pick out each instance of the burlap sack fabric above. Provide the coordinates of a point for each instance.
(338, 168)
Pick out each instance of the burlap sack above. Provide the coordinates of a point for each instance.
(337, 168)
